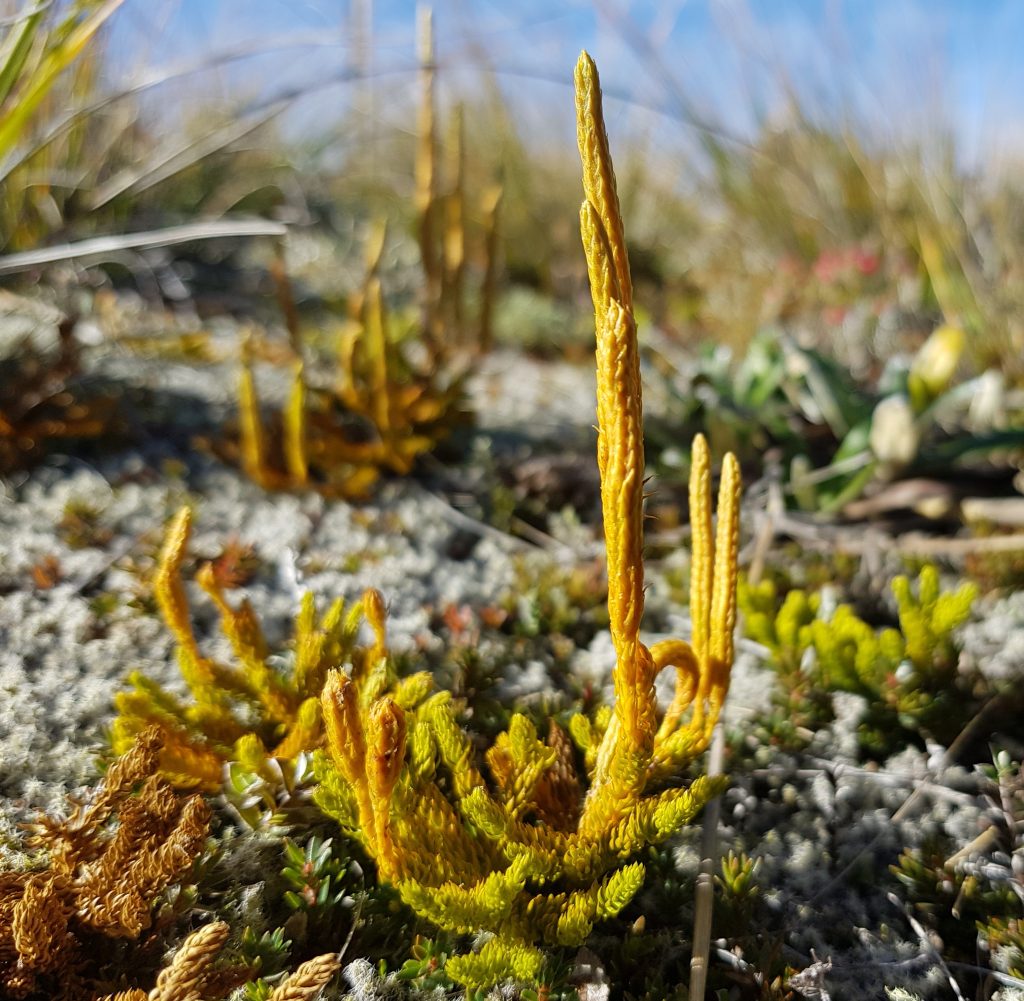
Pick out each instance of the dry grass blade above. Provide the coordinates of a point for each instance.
(179, 157)
(105, 246)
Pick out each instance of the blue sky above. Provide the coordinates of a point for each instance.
(907, 69)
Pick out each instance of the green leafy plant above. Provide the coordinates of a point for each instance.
(42, 46)
(265, 954)
(270, 795)
(955, 902)
(424, 969)
(908, 675)
(33, 55)
(836, 436)
(314, 874)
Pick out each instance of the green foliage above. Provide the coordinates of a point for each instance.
(739, 893)
(267, 954)
(496, 961)
(270, 795)
(81, 525)
(953, 901)
(556, 600)
(34, 53)
(314, 874)
(928, 619)
(835, 434)
(834, 230)
(43, 45)
(736, 878)
(909, 674)
(801, 702)
(425, 969)
(1007, 936)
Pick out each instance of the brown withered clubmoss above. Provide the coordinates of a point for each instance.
(194, 974)
(105, 865)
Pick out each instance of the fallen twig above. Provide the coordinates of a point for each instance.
(704, 893)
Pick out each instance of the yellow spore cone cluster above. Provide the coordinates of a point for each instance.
(528, 849)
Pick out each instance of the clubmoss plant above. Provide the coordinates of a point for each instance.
(107, 863)
(384, 410)
(442, 206)
(249, 713)
(381, 414)
(537, 853)
(194, 974)
(908, 674)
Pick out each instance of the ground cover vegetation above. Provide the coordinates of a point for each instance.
(417, 763)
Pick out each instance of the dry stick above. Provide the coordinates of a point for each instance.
(481, 528)
(704, 893)
(542, 540)
(1003, 978)
(853, 541)
(927, 943)
(285, 297)
(888, 780)
(767, 530)
(492, 208)
(352, 929)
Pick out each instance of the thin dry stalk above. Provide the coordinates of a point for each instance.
(488, 291)
(454, 247)
(426, 177)
(286, 298)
